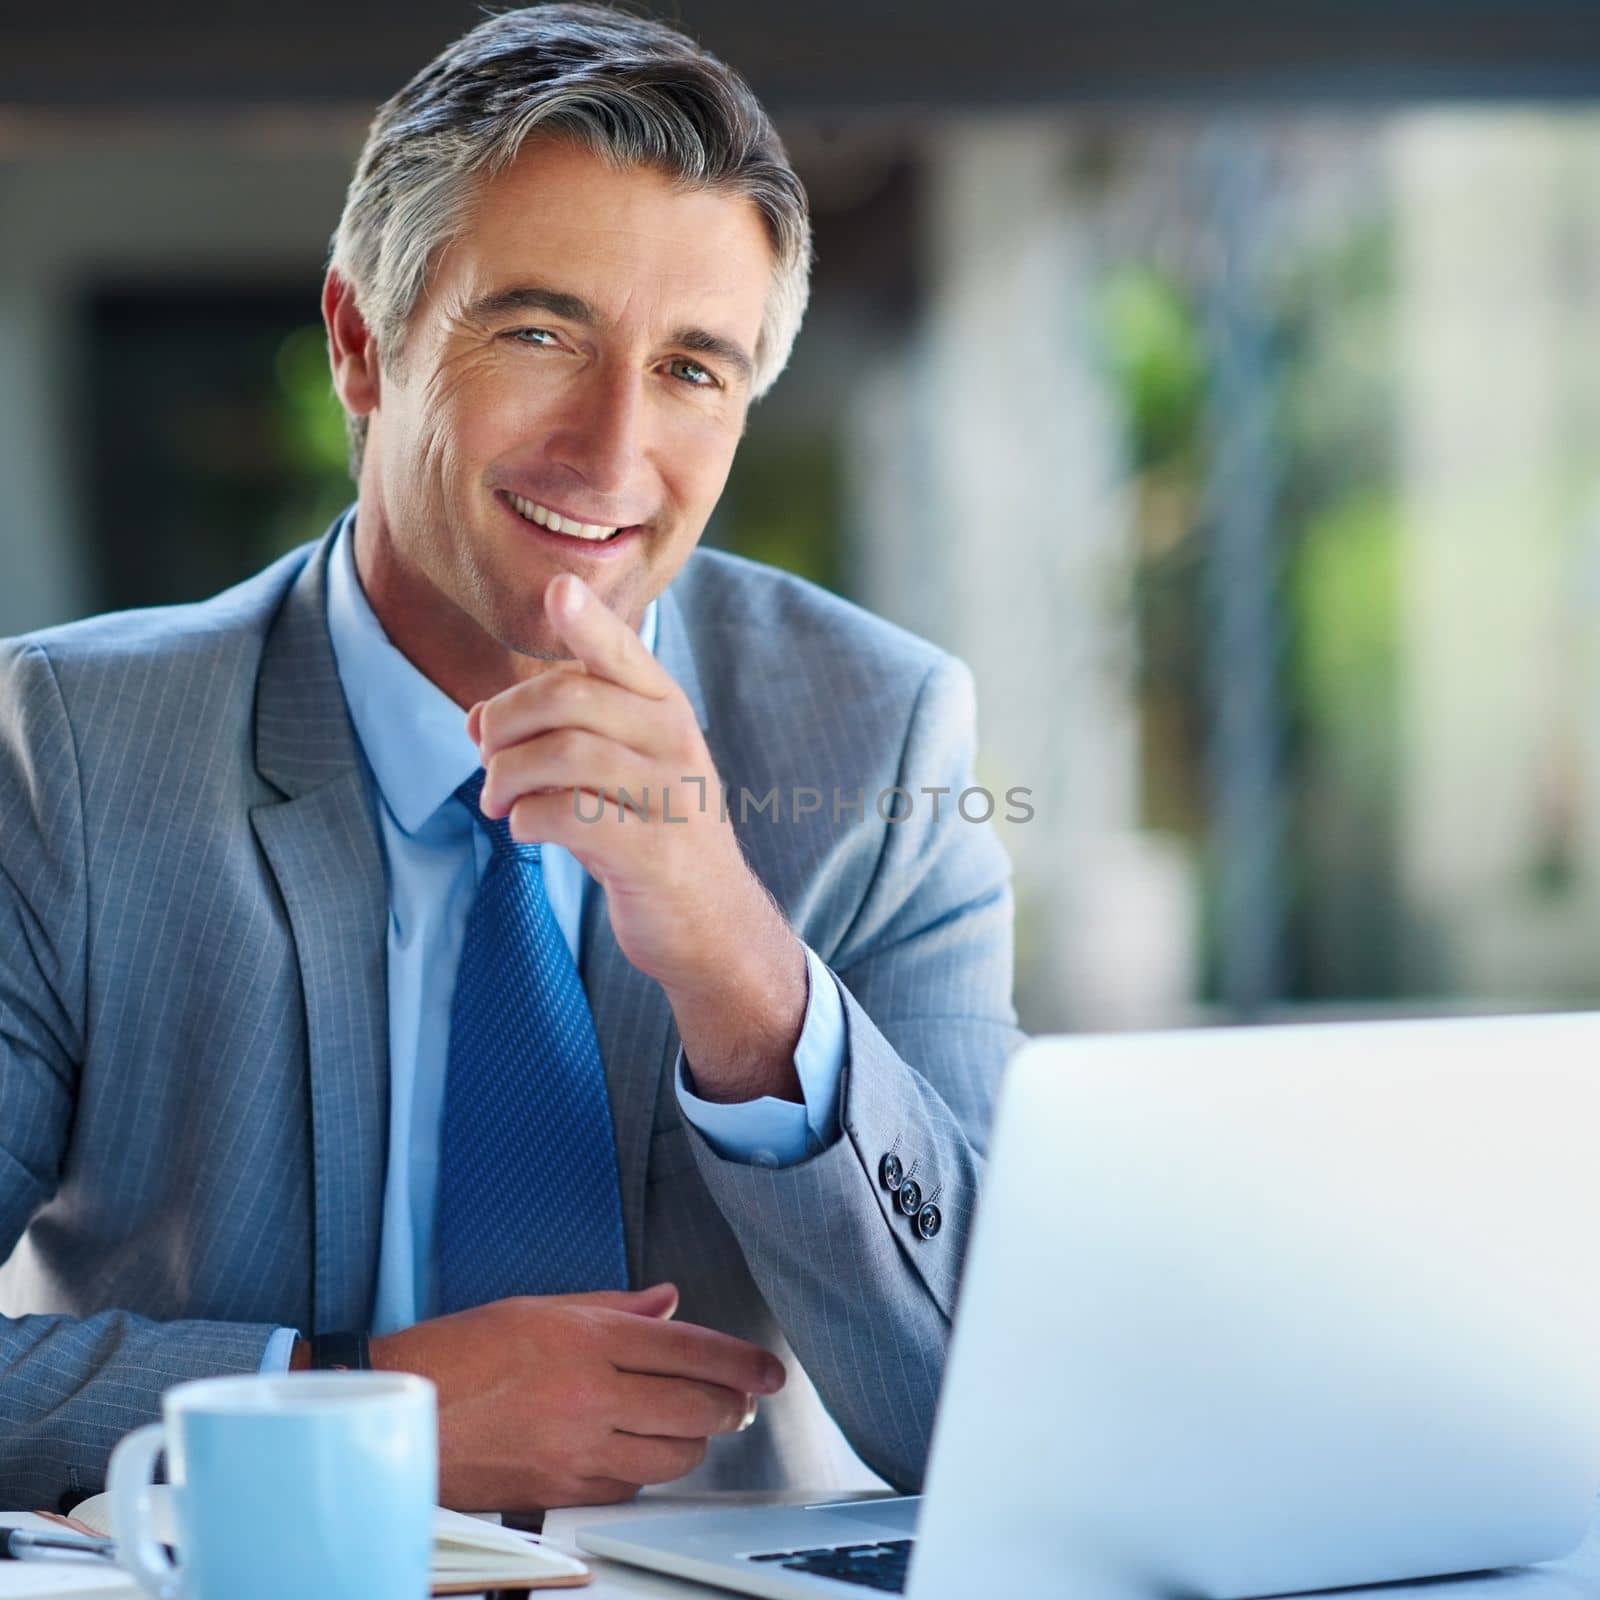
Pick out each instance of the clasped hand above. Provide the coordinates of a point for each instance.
(576, 1399)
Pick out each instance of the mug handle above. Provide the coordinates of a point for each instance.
(128, 1487)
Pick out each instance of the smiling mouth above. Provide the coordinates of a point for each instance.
(544, 517)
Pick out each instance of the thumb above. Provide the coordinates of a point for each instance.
(659, 1300)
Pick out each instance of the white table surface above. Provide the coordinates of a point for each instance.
(1576, 1578)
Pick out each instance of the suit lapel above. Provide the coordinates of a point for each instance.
(675, 652)
(322, 846)
(632, 1020)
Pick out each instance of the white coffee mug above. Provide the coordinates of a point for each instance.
(317, 1483)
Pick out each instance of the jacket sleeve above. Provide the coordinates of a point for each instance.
(925, 976)
(70, 1387)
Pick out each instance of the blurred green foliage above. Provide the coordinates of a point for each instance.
(1150, 333)
(1153, 348)
(1326, 304)
(782, 503)
(309, 429)
(1343, 597)
(311, 419)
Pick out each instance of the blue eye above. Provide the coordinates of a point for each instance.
(693, 373)
(527, 335)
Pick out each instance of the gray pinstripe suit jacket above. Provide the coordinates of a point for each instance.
(193, 1061)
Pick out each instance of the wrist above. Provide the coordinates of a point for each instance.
(300, 1356)
(740, 1037)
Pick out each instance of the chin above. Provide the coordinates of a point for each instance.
(540, 644)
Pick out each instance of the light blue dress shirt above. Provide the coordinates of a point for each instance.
(414, 741)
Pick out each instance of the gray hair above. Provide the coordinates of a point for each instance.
(632, 90)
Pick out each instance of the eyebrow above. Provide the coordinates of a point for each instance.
(574, 308)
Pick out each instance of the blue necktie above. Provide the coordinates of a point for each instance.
(528, 1195)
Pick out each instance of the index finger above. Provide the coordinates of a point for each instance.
(601, 640)
(682, 1350)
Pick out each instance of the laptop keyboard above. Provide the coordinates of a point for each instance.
(873, 1566)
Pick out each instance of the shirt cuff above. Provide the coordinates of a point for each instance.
(770, 1132)
(280, 1347)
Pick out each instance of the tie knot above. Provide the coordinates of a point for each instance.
(470, 794)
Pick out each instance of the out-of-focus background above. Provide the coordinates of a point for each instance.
(1221, 381)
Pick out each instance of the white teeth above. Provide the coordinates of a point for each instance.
(556, 523)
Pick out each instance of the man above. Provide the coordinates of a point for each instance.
(383, 974)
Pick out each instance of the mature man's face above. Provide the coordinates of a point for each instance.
(583, 350)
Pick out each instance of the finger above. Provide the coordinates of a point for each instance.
(568, 816)
(658, 1300)
(568, 758)
(677, 1408)
(569, 699)
(643, 1458)
(580, 700)
(580, 820)
(593, 1492)
(683, 1350)
(601, 640)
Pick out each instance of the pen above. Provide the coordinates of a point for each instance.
(21, 1545)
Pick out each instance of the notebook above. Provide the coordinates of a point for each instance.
(469, 1554)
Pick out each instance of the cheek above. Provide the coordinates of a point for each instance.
(464, 405)
(700, 449)
(422, 470)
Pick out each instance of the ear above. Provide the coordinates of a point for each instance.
(352, 350)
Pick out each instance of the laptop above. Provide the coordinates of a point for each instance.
(1245, 1312)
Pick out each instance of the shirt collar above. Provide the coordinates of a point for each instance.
(412, 733)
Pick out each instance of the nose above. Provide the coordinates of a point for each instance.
(598, 434)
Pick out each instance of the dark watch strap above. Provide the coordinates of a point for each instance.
(340, 1352)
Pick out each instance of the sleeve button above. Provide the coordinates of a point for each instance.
(929, 1220)
(909, 1196)
(890, 1172)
